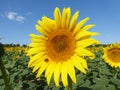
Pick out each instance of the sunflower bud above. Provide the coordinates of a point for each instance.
(1, 50)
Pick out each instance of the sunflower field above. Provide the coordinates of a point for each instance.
(99, 76)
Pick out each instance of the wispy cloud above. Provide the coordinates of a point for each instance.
(11, 15)
(15, 16)
(20, 18)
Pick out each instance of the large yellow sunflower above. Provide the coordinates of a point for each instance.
(61, 46)
(112, 55)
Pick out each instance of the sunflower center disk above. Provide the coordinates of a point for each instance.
(60, 45)
(114, 54)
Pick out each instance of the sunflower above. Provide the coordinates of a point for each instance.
(112, 55)
(61, 46)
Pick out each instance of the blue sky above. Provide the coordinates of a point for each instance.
(18, 17)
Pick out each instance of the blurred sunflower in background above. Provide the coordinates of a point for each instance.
(112, 55)
(61, 46)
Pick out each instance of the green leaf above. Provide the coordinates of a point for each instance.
(98, 87)
(106, 71)
(111, 87)
(115, 81)
(101, 81)
(25, 72)
(18, 86)
(80, 79)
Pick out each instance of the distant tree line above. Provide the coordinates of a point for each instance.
(98, 45)
(14, 45)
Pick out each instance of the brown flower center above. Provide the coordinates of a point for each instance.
(60, 45)
(114, 54)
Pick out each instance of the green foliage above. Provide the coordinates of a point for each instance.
(100, 75)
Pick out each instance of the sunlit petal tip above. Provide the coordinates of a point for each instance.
(68, 9)
(43, 18)
(84, 72)
(97, 33)
(57, 84)
(37, 26)
(29, 65)
(57, 17)
(87, 18)
(37, 76)
(65, 84)
(76, 14)
(57, 9)
(98, 42)
(31, 35)
(80, 25)
(39, 21)
(92, 25)
(33, 71)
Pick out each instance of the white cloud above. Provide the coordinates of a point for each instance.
(20, 18)
(15, 16)
(11, 15)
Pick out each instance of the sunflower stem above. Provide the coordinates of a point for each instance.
(115, 73)
(69, 83)
(4, 75)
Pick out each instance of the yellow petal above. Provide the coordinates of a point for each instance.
(63, 17)
(64, 73)
(82, 61)
(86, 42)
(66, 17)
(34, 40)
(50, 23)
(71, 71)
(49, 68)
(36, 50)
(35, 61)
(42, 69)
(73, 21)
(68, 10)
(37, 66)
(38, 39)
(43, 25)
(84, 34)
(37, 45)
(76, 62)
(80, 25)
(57, 16)
(87, 27)
(41, 30)
(49, 71)
(57, 73)
(37, 56)
(83, 52)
